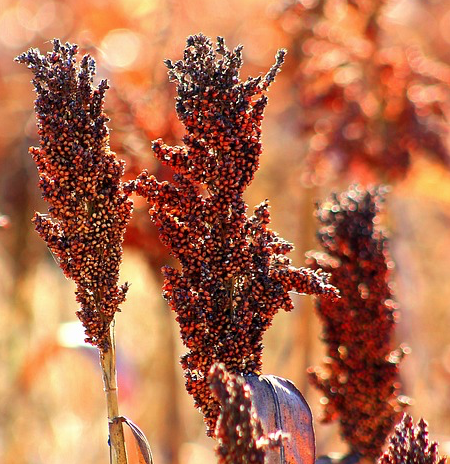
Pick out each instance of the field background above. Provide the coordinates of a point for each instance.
(52, 407)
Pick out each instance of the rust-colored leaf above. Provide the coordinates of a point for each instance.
(280, 406)
(142, 444)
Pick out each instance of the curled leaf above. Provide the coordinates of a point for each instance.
(281, 407)
(142, 444)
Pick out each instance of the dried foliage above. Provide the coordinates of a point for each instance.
(239, 432)
(409, 444)
(368, 101)
(80, 179)
(234, 274)
(360, 373)
(282, 408)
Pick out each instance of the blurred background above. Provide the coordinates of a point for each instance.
(52, 406)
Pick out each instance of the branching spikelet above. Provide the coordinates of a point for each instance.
(360, 375)
(80, 179)
(234, 273)
(409, 444)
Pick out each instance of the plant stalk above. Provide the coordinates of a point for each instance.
(118, 454)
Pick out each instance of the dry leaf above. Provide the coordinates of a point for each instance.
(143, 446)
(280, 406)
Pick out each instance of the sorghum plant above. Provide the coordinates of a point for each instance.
(409, 444)
(88, 210)
(360, 373)
(369, 103)
(239, 432)
(234, 274)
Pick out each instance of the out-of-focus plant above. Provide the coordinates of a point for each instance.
(234, 274)
(133, 129)
(369, 103)
(410, 444)
(360, 376)
(88, 210)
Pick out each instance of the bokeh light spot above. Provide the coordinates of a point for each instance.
(37, 18)
(12, 33)
(121, 48)
(139, 8)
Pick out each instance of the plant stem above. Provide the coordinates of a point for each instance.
(118, 454)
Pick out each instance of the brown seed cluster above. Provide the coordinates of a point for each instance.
(80, 179)
(409, 444)
(234, 274)
(359, 377)
(239, 432)
(368, 102)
